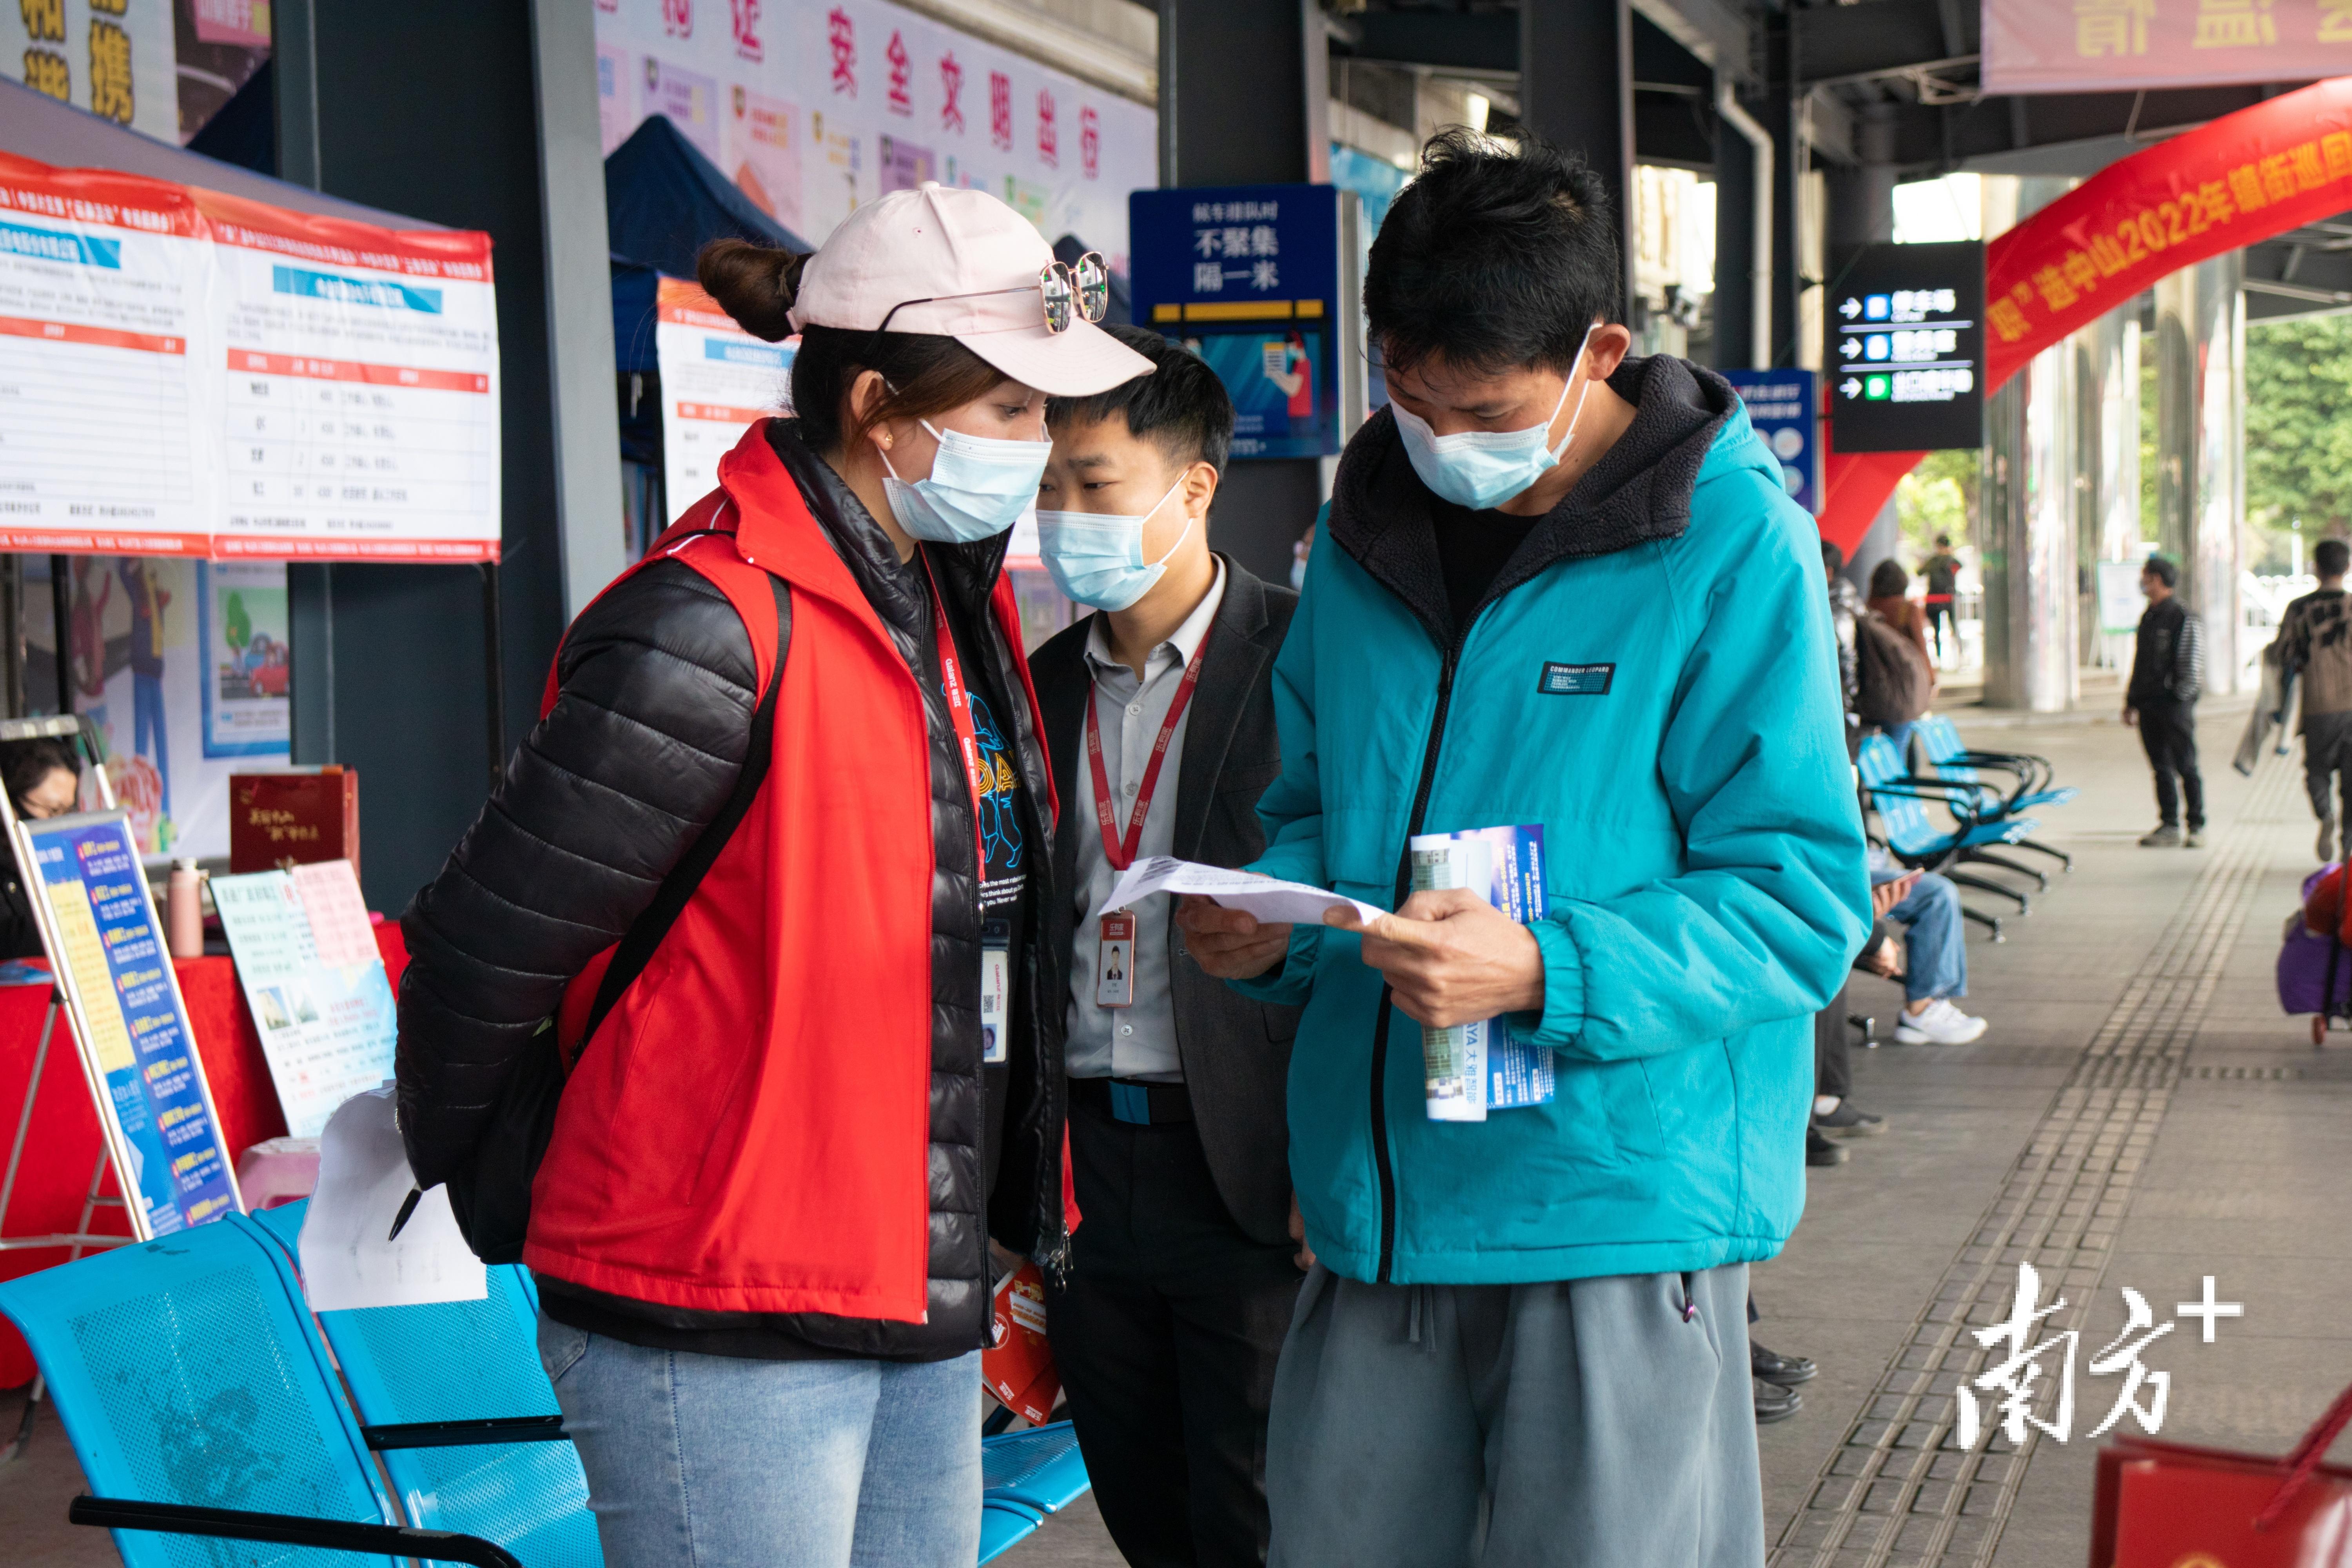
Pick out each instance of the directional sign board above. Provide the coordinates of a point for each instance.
(1785, 407)
(1247, 277)
(1905, 358)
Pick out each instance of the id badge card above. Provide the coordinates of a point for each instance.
(1114, 963)
(995, 989)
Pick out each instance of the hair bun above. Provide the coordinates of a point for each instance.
(756, 284)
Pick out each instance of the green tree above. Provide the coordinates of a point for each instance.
(2298, 438)
(238, 631)
(1939, 496)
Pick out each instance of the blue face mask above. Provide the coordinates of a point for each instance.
(978, 488)
(1097, 559)
(1483, 468)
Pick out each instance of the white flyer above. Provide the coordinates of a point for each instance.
(1266, 898)
(716, 378)
(348, 1258)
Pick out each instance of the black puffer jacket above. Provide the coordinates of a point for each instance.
(610, 791)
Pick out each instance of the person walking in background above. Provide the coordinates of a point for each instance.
(2168, 673)
(2316, 635)
(1942, 570)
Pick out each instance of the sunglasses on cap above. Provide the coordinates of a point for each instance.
(1078, 291)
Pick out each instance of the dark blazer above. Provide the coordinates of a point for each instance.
(1236, 1052)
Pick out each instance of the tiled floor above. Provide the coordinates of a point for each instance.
(2139, 1114)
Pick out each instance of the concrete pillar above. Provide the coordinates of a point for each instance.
(1861, 198)
(2106, 370)
(1245, 99)
(1745, 160)
(2027, 546)
(2201, 447)
(1576, 90)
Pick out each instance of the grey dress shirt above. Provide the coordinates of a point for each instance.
(1137, 1042)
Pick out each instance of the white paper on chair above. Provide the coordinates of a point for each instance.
(1266, 898)
(364, 1178)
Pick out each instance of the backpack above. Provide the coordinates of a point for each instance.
(1894, 680)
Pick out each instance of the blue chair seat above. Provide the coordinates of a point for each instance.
(463, 1360)
(188, 1374)
(1039, 1468)
(1003, 1526)
(2008, 831)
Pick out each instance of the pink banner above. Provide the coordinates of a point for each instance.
(2106, 46)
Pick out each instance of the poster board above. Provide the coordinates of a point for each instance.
(315, 981)
(130, 1023)
(304, 387)
(716, 378)
(814, 110)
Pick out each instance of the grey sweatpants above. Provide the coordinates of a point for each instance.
(1573, 1424)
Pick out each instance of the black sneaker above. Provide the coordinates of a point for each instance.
(1774, 1403)
(1845, 1122)
(1772, 1366)
(1821, 1150)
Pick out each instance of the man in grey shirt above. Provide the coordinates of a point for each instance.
(1159, 718)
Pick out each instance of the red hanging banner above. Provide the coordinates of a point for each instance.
(2237, 180)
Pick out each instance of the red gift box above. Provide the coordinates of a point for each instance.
(2168, 1505)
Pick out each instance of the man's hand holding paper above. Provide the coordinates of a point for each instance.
(1236, 924)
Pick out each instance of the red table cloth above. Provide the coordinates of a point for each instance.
(64, 1146)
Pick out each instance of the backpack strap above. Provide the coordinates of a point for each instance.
(635, 949)
(764, 604)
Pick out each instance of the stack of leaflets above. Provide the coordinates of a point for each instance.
(1472, 1068)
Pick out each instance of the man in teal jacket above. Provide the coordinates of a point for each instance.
(1560, 587)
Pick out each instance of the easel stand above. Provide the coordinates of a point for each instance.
(79, 1240)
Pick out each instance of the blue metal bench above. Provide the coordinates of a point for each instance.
(1917, 843)
(461, 1381)
(191, 1380)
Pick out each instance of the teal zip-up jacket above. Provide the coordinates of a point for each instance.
(1706, 885)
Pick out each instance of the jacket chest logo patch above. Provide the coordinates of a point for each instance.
(1576, 679)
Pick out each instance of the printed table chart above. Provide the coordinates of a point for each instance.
(354, 449)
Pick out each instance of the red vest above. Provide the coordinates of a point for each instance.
(749, 1130)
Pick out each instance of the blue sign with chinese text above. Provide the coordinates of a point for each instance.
(1785, 408)
(1247, 277)
(131, 1023)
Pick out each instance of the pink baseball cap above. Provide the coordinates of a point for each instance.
(959, 264)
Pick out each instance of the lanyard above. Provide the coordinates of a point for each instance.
(975, 776)
(1121, 854)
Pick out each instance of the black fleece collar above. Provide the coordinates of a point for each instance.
(1640, 490)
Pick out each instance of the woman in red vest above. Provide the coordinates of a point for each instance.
(772, 863)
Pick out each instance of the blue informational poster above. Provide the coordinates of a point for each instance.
(131, 1023)
(1247, 277)
(1785, 408)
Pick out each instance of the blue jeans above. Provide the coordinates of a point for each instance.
(714, 1461)
(1899, 737)
(1935, 951)
(147, 724)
